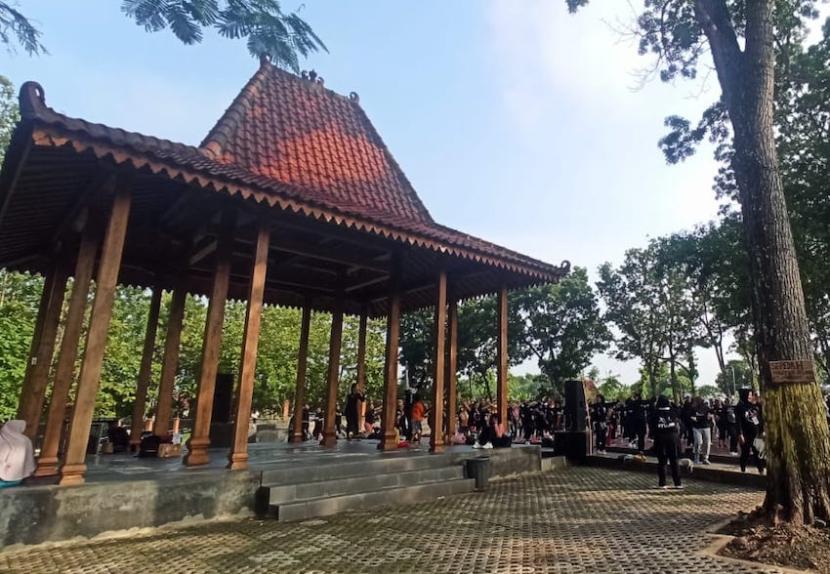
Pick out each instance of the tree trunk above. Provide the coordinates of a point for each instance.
(798, 440)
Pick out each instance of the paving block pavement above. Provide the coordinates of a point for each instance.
(574, 520)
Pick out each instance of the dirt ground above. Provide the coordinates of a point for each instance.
(806, 548)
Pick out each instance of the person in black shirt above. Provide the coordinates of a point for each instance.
(731, 423)
(750, 426)
(640, 409)
(701, 424)
(599, 415)
(665, 428)
(353, 412)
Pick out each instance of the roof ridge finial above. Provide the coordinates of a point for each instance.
(264, 59)
(32, 96)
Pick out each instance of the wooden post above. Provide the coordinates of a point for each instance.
(73, 469)
(361, 365)
(43, 347)
(145, 371)
(170, 362)
(390, 369)
(452, 370)
(47, 464)
(436, 438)
(302, 362)
(238, 459)
(211, 346)
(286, 409)
(329, 431)
(501, 393)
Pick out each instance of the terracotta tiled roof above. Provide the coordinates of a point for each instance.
(332, 167)
(293, 130)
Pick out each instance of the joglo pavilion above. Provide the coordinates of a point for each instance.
(291, 199)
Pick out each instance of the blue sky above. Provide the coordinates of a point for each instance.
(515, 121)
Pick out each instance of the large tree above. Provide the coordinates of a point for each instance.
(744, 37)
(282, 37)
(563, 327)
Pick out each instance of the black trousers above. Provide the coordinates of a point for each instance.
(732, 433)
(666, 447)
(747, 448)
(640, 430)
(601, 434)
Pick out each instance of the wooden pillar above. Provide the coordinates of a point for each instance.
(43, 347)
(329, 431)
(286, 409)
(361, 364)
(436, 438)
(302, 362)
(170, 362)
(238, 459)
(73, 469)
(145, 371)
(452, 369)
(390, 370)
(501, 393)
(47, 464)
(211, 346)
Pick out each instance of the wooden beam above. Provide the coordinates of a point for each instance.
(367, 283)
(501, 368)
(73, 469)
(333, 379)
(102, 182)
(302, 363)
(203, 251)
(145, 371)
(323, 254)
(389, 440)
(36, 377)
(170, 362)
(238, 459)
(47, 464)
(452, 369)
(436, 439)
(212, 346)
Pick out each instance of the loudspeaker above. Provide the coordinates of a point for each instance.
(223, 398)
(576, 410)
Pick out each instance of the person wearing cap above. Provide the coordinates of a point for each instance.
(665, 430)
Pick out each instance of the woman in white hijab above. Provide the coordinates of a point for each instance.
(17, 459)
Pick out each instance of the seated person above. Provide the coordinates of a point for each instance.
(492, 435)
(17, 459)
(118, 437)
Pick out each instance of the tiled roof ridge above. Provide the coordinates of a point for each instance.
(33, 108)
(218, 139)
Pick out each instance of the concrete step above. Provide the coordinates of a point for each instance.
(317, 507)
(353, 468)
(281, 494)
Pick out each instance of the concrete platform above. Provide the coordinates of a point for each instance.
(716, 472)
(124, 492)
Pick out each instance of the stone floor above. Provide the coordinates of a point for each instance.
(574, 520)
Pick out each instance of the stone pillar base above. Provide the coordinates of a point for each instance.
(72, 474)
(329, 440)
(47, 466)
(197, 452)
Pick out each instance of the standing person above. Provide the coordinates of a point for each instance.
(731, 421)
(600, 418)
(686, 421)
(640, 415)
(701, 416)
(665, 427)
(750, 426)
(17, 459)
(419, 412)
(353, 411)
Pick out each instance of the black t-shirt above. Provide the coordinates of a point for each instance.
(700, 417)
(749, 418)
(664, 421)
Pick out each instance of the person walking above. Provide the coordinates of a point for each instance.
(751, 427)
(600, 418)
(665, 429)
(702, 429)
